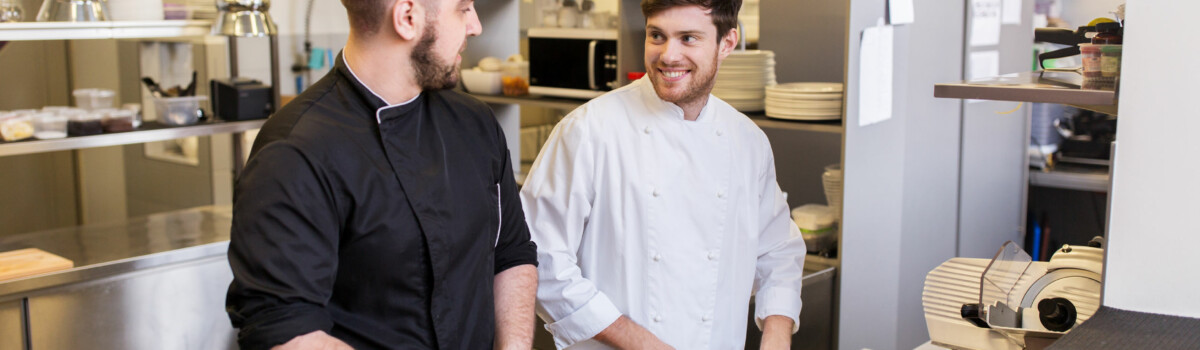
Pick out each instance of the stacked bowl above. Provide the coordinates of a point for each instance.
(743, 77)
(804, 101)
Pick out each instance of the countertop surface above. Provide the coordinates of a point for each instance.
(100, 250)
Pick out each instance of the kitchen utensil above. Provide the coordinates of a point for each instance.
(155, 90)
(73, 11)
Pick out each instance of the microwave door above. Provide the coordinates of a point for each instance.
(560, 63)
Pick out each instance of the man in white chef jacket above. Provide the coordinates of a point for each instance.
(655, 207)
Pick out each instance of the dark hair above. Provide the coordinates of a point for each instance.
(368, 16)
(724, 12)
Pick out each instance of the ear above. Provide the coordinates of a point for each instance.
(407, 17)
(728, 43)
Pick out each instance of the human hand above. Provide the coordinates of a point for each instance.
(316, 340)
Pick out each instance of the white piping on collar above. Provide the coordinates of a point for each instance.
(385, 101)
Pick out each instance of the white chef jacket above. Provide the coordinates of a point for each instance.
(674, 223)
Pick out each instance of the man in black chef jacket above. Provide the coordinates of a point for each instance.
(378, 209)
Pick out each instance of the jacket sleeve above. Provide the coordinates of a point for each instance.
(514, 247)
(558, 199)
(283, 249)
(780, 269)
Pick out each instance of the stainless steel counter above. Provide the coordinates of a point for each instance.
(146, 283)
(137, 244)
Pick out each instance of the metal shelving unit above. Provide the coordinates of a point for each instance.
(149, 132)
(30, 31)
(1048, 87)
(1095, 179)
(758, 117)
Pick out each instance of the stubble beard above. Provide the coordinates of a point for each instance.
(697, 90)
(431, 72)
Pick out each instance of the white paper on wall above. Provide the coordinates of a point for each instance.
(1011, 12)
(900, 12)
(985, 23)
(875, 75)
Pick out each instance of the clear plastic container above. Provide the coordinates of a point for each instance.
(1091, 60)
(1110, 61)
(178, 111)
(514, 78)
(119, 120)
(84, 124)
(14, 127)
(94, 99)
(49, 126)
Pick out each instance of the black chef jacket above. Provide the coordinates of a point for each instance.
(383, 234)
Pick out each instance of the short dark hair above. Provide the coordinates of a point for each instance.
(724, 12)
(368, 16)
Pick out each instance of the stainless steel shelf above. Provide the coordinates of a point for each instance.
(149, 132)
(834, 127)
(1047, 87)
(533, 100)
(570, 104)
(26, 31)
(1093, 179)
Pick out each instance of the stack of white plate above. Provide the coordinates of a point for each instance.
(743, 77)
(805, 101)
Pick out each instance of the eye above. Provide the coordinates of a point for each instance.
(690, 39)
(656, 36)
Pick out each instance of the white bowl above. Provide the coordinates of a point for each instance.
(479, 82)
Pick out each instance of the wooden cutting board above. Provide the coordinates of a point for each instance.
(28, 262)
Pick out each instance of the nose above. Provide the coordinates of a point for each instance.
(672, 52)
(474, 28)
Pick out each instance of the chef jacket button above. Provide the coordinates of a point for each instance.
(706, 318)
(657, 318)
(712, 255)
(721, 194)
(657, 257)
(719, 133)
(654, 192)
(646, 130)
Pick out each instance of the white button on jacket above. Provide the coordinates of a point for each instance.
(606, 193)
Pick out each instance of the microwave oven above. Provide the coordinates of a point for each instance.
(569, 62)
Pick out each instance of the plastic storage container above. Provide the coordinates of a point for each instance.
(49, 126)
(14, 127)
(94, 99)
(514, 78)
(178, 111)
(817, 228)
(1110, 61)
(119, 120)
(84, 124)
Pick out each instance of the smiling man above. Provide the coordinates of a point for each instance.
(378, 209)
(655, 207)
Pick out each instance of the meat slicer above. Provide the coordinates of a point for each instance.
(1010, 301)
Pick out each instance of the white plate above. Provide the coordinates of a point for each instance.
(801, 96)
(803, 104)
(793, 113)
(810, 87)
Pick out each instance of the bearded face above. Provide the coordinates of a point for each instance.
(433, 72)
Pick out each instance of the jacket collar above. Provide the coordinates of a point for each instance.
(369, 98)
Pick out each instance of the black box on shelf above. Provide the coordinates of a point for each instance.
(241, 99)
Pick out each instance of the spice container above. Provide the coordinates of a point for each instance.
(178, 110)
(49, 126)
(84, 124)
(15, 127)
(119, 120)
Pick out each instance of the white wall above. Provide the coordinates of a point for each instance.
(1151, 263)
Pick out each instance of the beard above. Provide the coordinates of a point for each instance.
(697, 89)
(432, 72)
